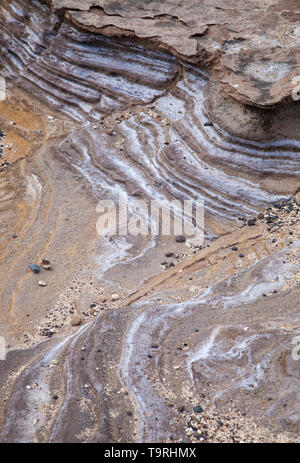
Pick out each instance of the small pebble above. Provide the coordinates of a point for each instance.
(76, 320)
(154, 346)
(169, 254)
(198, 409)
(34, 268)
(46, 264)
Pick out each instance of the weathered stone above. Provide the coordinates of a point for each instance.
(252, 47)
(180, 239)
(34, 268)
(46, 264)
(250, 222)
(198, 409)
(76, 320)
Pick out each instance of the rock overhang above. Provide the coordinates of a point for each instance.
(251, 47)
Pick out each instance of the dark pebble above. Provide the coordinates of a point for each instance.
(251, 222)
(34, 268)
(46, 333)
(169, 254)
(198, 409)
(180, 239)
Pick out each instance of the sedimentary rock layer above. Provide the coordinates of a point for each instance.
(252, 46)
(92, 112)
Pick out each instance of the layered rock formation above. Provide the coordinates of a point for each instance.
(106, 98)
(252, 46)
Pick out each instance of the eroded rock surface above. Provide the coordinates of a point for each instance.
(92, 110)
(252, 46)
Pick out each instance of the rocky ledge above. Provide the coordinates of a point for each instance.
(252, 47)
